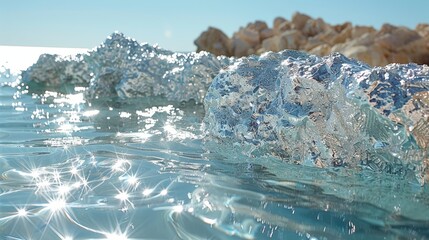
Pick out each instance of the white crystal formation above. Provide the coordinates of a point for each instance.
(123, 67)
(54, 70)
(330, 111)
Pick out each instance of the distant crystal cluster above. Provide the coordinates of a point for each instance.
(123, 67)
(319, 111)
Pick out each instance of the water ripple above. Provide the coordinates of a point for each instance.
(143, 170)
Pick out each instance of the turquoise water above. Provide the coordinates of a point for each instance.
(143, 169)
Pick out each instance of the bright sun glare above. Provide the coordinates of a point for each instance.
(19, 58)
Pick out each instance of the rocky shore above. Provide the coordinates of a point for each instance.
(389, 44)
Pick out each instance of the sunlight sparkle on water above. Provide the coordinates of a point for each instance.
(169, 128)
(74, 171)
(73, 99)
(116, 236)
(178, 208)
(35, 173)
(56, 205)
(83, 182)
(163, 192)
(124, 114)
(66, 128)
(22, 212)
(122, 196)
(64, 189)
(133, 180)
(147, 191)
(43, 184)
(119, 165)
(56, 175)
(90, 113)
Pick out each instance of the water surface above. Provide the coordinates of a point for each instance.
(143, 169)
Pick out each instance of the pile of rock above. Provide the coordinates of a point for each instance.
(390, 44)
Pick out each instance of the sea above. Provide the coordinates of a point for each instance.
(143, 168)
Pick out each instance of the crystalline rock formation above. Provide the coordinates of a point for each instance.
(318, 111)
(125, 68)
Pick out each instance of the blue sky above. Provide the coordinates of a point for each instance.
(176, 24)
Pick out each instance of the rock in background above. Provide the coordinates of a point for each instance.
(390, 44)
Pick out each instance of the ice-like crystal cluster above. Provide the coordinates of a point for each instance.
(54, 70)
(123, 67)
(330, 111)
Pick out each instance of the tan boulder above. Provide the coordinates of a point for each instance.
(398, 57)
(423, 29)
(344, 35)
(392, 37)
(366, 40)
(321, 50)
(340, 27)
(277, 22)
(371, 55)
(340, 47)
(247, 40)
(368, 53)
(250, 36)
(417, 51)
(293, 39)
(241, 48)
(274, 44)
(215, 41)
(331, 37)
(266, 33)
(283, 27)
(402, 45)
(313, 42)
(358, 31)
(260, 51)
(314, 26)
(257, 26)
(387, 28)
(299, 20)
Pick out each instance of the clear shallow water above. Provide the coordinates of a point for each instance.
(142, 169)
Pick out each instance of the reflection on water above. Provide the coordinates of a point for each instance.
(141, 169)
